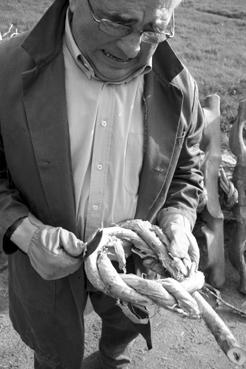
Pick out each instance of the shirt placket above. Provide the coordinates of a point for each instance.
(100, 161)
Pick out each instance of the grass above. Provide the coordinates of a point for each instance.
(210, 39)
(22, 13)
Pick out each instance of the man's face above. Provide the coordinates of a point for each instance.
(115, 57)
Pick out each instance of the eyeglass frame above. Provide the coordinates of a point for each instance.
(144, 34)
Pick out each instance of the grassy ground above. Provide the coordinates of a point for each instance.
(210, 39)
(211, 42)
(22, 13)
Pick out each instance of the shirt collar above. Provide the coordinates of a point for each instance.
(84, 64)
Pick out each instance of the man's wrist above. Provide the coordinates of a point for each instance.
(13, 227)
(173, 218)
(23, 234)
(10, 247)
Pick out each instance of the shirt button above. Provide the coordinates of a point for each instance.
(99, 166)
(95, 207)
(104, 123)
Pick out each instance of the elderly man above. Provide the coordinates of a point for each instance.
(100, 122)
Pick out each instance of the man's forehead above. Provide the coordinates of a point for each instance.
(131, 5)
(139, 9)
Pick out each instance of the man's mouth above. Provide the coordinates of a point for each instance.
(106, 53)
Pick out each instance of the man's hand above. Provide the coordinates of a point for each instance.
(183, 244)
(54, 252)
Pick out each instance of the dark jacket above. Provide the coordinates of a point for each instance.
(35, 162)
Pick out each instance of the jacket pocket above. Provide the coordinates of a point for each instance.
(30, 288)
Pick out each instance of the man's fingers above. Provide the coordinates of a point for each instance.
(71, 244)
(182, 267)
(179, 254)
(193, 269)
(194, 251)
(186, 249)
(187, 262)
(179, 247)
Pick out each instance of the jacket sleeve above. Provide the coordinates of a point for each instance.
(11, 206)
(187, 182)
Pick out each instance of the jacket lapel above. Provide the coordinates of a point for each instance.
(45, 107)
(163, 103)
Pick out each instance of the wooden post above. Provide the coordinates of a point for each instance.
(237, 246)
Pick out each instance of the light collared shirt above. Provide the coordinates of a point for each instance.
(106, 139)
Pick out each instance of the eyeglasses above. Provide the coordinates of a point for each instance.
(115, 29)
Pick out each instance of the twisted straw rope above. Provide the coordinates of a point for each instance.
(129, 288)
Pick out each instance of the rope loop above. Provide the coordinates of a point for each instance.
(136, 295)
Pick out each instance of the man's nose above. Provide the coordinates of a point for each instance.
(130, 44)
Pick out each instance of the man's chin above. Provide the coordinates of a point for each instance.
(111, 75)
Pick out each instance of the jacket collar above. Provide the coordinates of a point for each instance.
(165, 63)
(50, 30)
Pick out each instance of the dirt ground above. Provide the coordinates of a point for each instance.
(178, 343)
